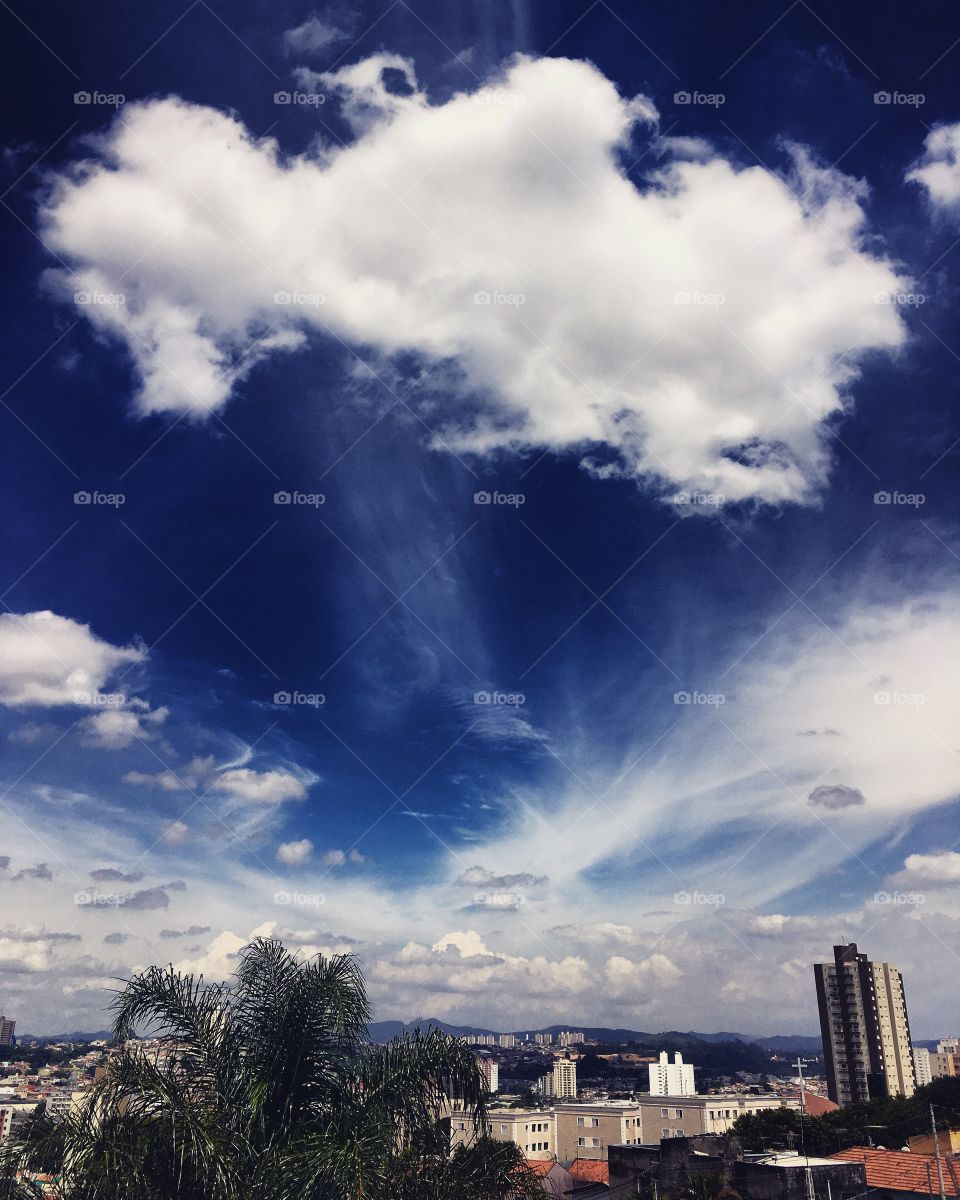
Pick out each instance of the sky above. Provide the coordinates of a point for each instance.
(479, 490)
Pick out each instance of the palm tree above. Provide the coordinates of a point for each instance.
(267, 1088)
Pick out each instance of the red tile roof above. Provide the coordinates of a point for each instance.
(901, 1171)
(540, 1168)
(589, 1170)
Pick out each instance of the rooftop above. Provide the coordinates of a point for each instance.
(904, 1171)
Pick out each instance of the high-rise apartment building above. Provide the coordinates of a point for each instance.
(671, 1078)
(866, 1033)
(561, 1083)
(490, 1071)
(922, 1066)
(507, 1041)
(6, 1031)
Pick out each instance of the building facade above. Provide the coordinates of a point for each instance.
(7, 1029)
(490, 1071)
(671, 1078)
(533, 1130)
(865, 1029)
(587, 1130)
(922, 1065)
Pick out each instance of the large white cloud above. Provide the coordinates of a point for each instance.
(47, 660)
(498, 231)
(938, 170)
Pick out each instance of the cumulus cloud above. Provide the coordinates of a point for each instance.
(40, 871)
(117, 728)
(938, 170)
(47, 660)
(175, 834)
(294, 854)
(477, 876)
(260, 787)
(929, 870)
(638, 327)
(836, 795)
(634, 980)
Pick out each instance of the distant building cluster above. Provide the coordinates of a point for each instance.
(936, 1064)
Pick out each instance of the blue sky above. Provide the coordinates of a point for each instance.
(480, 492)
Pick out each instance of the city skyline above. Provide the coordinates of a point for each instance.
(481, 495)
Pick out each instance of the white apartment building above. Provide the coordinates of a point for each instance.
(922, 1065)
(671, 1079)
(507, 1041)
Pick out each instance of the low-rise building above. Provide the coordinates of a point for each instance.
(902, 1175)
(674, 1166)
(533, 1130)
(587, 1130)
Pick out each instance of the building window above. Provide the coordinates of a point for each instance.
(664, 1112)
(678, 1113)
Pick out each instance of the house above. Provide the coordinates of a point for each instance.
(903, 1174)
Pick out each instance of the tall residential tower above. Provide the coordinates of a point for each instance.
(866, 1034)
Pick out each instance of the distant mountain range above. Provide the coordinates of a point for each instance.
(382, 1031)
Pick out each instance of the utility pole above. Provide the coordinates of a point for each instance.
(936, 1148)
(799, 1064)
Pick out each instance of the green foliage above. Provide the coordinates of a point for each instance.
(268, 1089)
(885, 1122)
